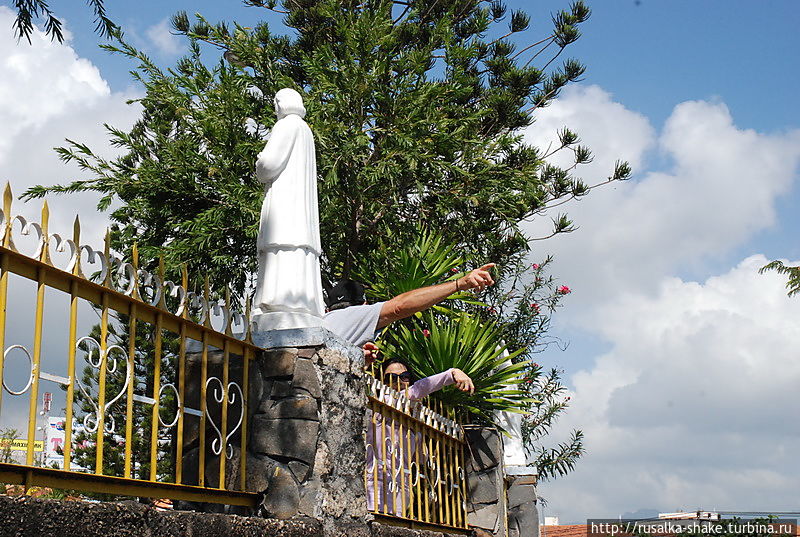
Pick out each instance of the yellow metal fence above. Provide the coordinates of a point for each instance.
(126, 382)
(155, 379)
(415, 471)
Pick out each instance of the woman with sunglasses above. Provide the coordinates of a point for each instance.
(402, 448)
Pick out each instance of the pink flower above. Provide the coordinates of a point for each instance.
(491, 310)
(426, 333)
(535, 266)
(535, 307)
(564, 290)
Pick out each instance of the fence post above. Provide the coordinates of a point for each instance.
(307, 432)
(487, 506)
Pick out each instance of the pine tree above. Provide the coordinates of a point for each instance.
(417, 113)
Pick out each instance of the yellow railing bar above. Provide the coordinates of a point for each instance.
(181, 384)
(403, 437)
(63, 479)
(245, 403)
(131, 365)
(6, 242)
(37, 337)
(3, 303)
(201, 471)
(154, 424)
(223, 455)
(129, 399)
(157, 342)
(72, 338)
(101, 383)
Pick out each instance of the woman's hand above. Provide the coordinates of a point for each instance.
(371, 351)
(463, 382)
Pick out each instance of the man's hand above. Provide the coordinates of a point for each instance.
(477, 279)
(463, 382)
(371, 351)
(410, 302)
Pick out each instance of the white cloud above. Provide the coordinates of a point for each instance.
(694, 405)
(165, 42)
(719, 191)
(49, 93)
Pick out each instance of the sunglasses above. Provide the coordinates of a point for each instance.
(405, 376)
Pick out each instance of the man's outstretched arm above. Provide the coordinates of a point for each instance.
(411, 302)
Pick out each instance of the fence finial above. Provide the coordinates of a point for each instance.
(107, 253)
(229, 313)
(207, 299)
(8, 197)
(44, 256)
(185, 285)
(135, 263)
(76, 238)
(247, 324)
(162, 301)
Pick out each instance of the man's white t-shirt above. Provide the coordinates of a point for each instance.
(356, 324)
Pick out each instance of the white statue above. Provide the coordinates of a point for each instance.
(289, 287)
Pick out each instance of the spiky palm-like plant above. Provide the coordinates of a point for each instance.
(468, 343)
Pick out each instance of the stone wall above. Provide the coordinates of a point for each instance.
(25, 517)
(486, 508)
(523, 516)
(499, 504)
(306, 419)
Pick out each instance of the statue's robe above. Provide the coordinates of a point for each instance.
(288, 241)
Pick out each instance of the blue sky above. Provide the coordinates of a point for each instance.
(672, 332)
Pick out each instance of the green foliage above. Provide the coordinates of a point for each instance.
(30, 10)
(469, 344)
(472, 335)
(422, 261)
(551, 402)
(792, 273)
(416, 115)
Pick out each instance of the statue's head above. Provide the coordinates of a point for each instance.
(287, 102)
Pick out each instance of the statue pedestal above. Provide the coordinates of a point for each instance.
(284, 320)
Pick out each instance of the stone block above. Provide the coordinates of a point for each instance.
(256, 384)
(306, 377)
(278, 363)
(307, 352)
(282, 388)
(259, 471)
(282, 498)
(232, 466)
(304, 408)
(339, 361)
(292, 438)
(487, 517)
(521, 494)
(482, 487)
(310, 504)
(525, 519)
(299, 470)
(486, 447)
